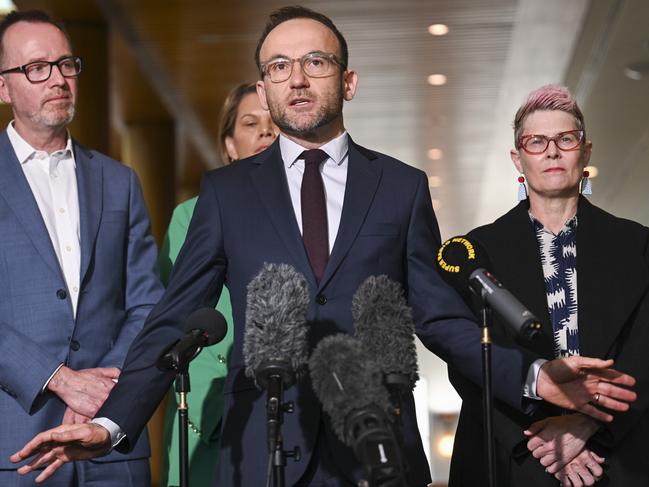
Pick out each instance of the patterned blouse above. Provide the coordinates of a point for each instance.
(559, 260)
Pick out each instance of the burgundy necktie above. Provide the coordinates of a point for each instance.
(315, 233)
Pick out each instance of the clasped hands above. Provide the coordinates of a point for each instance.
(580, 384)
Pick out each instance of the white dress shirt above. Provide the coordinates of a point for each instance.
(334, 177)
(53, 181)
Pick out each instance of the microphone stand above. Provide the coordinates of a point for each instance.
(274, 377)
(487, 395)
(182, 388)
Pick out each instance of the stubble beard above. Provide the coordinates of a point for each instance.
(55, 118)
(326, 113)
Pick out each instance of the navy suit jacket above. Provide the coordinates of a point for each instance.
(119, 286)
(244, 218)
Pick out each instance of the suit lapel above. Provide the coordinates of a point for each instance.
(15, 189)
(521, 263)
(608, 289)
(268, 178)
(362, 181)
(90, 188)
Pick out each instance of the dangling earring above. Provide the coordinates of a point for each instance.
(586, 187)
(522, 190)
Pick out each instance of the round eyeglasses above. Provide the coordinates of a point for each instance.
(314, 65)
(39, 71)
(537, 144)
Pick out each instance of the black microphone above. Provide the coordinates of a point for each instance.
(349, 385)
(463, 262)
(274, 342)
(204, 327)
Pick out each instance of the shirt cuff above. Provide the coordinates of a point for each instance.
(47, 382)
(116, 433)
(529, 388)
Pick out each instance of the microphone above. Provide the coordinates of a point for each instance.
(274, 342)
(463, 263)
(204, 327)
(349, 386)
(385, 328)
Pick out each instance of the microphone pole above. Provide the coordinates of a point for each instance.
(204, 327)
(487, 394)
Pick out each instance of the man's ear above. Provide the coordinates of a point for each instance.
(261, 93)
(350, 82)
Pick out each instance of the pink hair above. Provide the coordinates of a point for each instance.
(548, 97)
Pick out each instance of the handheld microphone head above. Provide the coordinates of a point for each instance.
(464, 264)
(345, 379)
(210, 323)
(204, 327)
(385, 327)
(457, 258)
(276, 312)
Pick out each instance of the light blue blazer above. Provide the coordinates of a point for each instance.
(119, 286)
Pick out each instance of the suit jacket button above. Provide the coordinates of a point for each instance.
(61, 294)
(321, 299)
(75, 345)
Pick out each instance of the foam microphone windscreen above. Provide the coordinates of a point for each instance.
(276, 312)
(345, 380)
(210, 322)
(385, 327)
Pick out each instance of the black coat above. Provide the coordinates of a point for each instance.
(613, 300)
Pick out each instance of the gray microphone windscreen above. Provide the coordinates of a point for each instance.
(276, 312)
(345, 379)
(385, 327)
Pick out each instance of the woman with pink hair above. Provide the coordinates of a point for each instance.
(585, 274)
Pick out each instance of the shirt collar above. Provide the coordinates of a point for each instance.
(336, 149)
(569, 226)
(24, 151)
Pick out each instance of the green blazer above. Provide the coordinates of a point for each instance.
(207, 374)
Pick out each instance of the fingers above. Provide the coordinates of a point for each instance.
(613, 376)
(535, 428)
(608, 390)
(49, 471)
(108, 372)
(590, 410)
(589, 362)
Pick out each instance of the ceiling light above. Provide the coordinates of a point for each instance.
(592, 171)
(434, 181)
(437, 79)
(438, 29)
(445, 445)
(435, 154)
(637, 71)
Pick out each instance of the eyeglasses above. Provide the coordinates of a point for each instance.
(314, 65)
(537, 144)
(39, 71)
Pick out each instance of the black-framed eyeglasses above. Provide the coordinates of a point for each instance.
(313, 64)
(537, 144)
(39, 71)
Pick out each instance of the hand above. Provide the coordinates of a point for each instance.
(63, 444)
(556, 441)
(72, 417)
(585, 469)
(84, 391)
(576, 382)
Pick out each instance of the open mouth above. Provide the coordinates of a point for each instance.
(299, 102)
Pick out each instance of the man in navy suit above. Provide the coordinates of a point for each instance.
(77, 260)
(378, 219)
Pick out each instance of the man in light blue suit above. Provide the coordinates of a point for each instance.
(77, 260)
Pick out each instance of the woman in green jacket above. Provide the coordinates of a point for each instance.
(245, 129)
